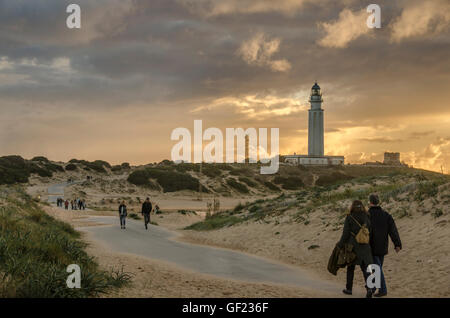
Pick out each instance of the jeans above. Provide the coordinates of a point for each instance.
(379, 261)
(122, 220)
(146, 219)
(351, 274)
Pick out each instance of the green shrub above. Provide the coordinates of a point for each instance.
(186, 212)
(71, 167)
(333, 178)
(402, 212)
(169, 180)
(184, 167)
(53, 167)
(211, 171)
(242, 188)
(238, 208)
(98, 165)
(224, 166)
(437, 213)
(271, 186)
(247, 181)
(125, 165)
(42, 172)
(241, 172)
(116, 168)
(289, 183)
(102, 163)
(215, 221)
(166, 162)
(40, 159)
(427, 189)
(15, 169)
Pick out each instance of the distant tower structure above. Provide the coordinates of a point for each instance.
(315, 124)
(392, 158)
(247, 152)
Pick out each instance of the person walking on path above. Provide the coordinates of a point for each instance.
(122, 214)
(66, 204)
(357, 220)
(146, 210)
(383, 225)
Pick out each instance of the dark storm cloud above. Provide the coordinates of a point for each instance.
(180, 55)
(166, 43)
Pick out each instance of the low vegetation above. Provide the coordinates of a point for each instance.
(169, 180)
(240, 187)
(271, 186)
(97, 165)
(409, 187)
(215, 222)
(186, 212)
(333, 178)
(35, 250)
(15, 169)
(71, 167)
(134, 216)
(289, 183)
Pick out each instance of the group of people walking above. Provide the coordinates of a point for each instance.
(367, 232)
(76, 204)
(145, 211)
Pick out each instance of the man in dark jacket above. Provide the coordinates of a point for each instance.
(382, 225)
(146, 209)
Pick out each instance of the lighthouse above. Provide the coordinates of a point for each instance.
(316, 152)
(315, 123)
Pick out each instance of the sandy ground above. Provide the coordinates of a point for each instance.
(421, 269)
(153, 278)
(106, 191)
(157, 279)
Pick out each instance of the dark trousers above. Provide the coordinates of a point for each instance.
(146, 219)
(122, 220)
(351, 274)
(379, 261)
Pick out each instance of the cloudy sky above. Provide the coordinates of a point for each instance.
(116, 88)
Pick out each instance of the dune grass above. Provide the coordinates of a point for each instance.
(35, 250)
(396, 186)
(215, 221)
(168, 179)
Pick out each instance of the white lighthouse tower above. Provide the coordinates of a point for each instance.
(315, 123)
(315, 136)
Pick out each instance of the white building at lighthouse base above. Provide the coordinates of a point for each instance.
(319, 161)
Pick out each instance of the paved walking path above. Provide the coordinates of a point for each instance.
(158, 243)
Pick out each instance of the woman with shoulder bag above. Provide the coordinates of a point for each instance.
(356, 232)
